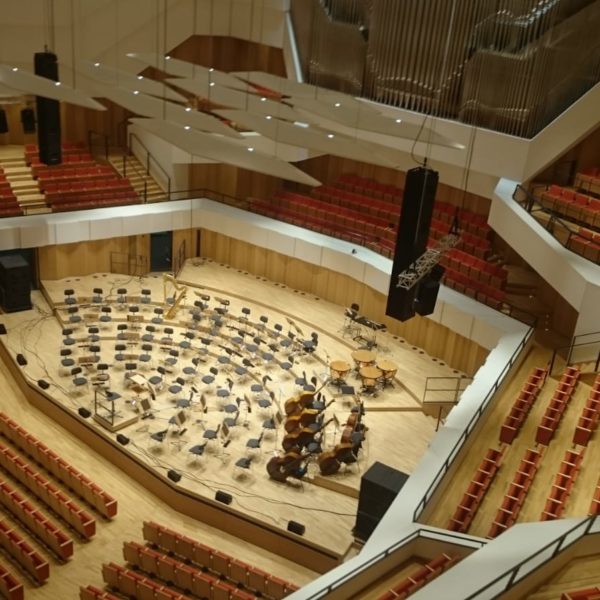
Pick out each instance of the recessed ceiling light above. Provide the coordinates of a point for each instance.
(212, 84)
(187, 127)
(211, 70)
(136, 92)
(140, 77)
(188, 109)
(268, 117)
(330, 136)
(167, 57)
(96, 64)
(301, 124)
(337, 104)
(15, 69)
(250, 149)
(57, 83)
(398, 120)
(263, 99)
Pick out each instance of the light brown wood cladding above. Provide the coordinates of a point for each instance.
(436, 339)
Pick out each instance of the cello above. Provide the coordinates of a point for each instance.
(290, 464)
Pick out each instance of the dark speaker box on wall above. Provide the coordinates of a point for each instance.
(48, 111)
(15, 286)
(3, 122)
(378, 487)
(28, 120)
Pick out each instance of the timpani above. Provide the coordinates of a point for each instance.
(363, 358)
(369, 376)
(339, 369)
(388, 371)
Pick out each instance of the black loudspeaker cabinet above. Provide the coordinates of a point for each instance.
(378, 487)
(48, 111)
(3, 122)
(28, 120)
(428, 291)
(15, 286)
(295, 527)
(413, 232)
(223, 497)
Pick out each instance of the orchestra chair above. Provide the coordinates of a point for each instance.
(158, 437)
(148, 337)
(67, 339)
(93, 336)
(66, 362)
(191, 371)
(145, 296)
(70, 297)
(196, 452)
(122, 298)
(106, 316)
(211, 436)
(146, 357)
(157, 381)
(80, 383)
(158, 316)
(120, 356)
(175, 388)
(74, 316)
(253, 445)
(97, 298)
(242, 466)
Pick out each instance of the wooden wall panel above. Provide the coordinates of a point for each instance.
(15, 133)
(435, 339)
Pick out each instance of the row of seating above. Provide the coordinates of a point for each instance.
(9, 205)
(585, 243)
(517, 492)
(562, 485)
(91, 592)
(67, 147)
(588, 180)
(34, 520)
(99, 199)
(103, 502)
(186, 577)
(82, 159)
(488, 294)
(220, 563)
(419, 577)
(134, 585)
(557, 405)
(572, 205)
(588, 421)
(585, 594)
(595, 504)
(60, 174)
(478, 486)
(363, 204)
(10, 587)
(522, 405)
(476, 268)
(22, 552)
(56, 499)
(370, 187)
(469, 221)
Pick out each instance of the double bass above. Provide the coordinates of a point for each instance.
(291, 464)
(305, 418)
(302, 436)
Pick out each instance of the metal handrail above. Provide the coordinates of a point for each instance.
(383, 554)
(512, 574)
(149, 159)
(470, 427)
(456, 390)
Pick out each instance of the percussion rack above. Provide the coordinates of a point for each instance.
(364, 329)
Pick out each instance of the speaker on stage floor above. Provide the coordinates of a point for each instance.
(173, 475)
(122, 439)
(43, 384)
(84, 412)
(48, 111)
(21, 360)
(296, 527)
(378, 487)
(15, 283)
(223, 497)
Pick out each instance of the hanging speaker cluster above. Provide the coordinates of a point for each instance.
(413, 232)
(48, 111)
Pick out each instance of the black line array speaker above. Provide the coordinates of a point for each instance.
(15, 283)
(28, 120)
(48, 111)
(378, 487)
(413, 231)
(3, 121)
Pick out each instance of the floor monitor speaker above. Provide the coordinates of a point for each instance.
(223, 497)
(21, 360)
(173, 475)
(84, 412)
(378, 487)
(296, 527)
(43, 384)
(122, 439)
(48, 111)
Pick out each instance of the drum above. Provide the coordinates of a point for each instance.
(363, 358)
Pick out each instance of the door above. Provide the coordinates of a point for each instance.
(161, 251)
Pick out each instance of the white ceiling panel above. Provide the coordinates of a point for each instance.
(224, 150)
(28, 83)
(147, 106)
(108, 75)
(314, 138)
(187, 70)
(220, 94)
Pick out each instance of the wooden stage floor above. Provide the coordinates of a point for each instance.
(398, 432)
